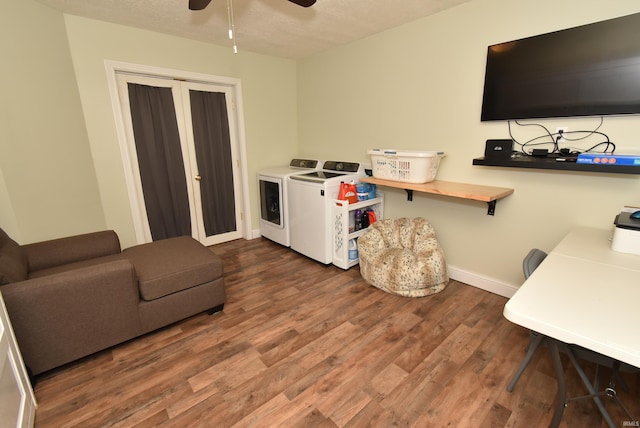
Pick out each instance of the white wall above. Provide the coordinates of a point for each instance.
(419, 86)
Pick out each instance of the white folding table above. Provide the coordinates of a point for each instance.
(586, 294)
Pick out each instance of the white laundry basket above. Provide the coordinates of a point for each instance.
(410, 166)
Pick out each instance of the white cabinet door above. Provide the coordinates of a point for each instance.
(17, 402)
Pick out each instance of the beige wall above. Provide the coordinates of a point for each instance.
(60, 156)
(269, 98)
(419, 87)
(50, 186)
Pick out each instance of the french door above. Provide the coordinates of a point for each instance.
(183, 154)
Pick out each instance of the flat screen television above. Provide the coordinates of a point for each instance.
(591, 70)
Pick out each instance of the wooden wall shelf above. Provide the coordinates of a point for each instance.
(476, 192)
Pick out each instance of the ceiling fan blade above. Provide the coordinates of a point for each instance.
(303, 3)
(198, 4)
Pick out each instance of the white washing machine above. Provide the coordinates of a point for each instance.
(272, 185)
(310, 199)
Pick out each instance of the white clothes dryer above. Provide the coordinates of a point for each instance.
(272, 186)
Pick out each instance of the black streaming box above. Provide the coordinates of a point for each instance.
(498, 149)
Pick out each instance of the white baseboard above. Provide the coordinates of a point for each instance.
(482, 282)
(489, 284)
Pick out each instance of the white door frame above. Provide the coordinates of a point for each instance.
(136, 203)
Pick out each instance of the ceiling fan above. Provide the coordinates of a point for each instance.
(201, 4)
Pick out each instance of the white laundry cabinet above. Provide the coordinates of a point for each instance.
(17, 401)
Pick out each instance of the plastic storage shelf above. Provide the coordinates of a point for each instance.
(341, 235)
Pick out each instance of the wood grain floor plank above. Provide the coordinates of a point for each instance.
(300, 344)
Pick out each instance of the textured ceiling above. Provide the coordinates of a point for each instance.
(271, 27)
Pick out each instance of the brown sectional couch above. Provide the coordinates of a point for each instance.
(68, 298)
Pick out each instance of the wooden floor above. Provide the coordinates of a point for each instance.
(300, 344)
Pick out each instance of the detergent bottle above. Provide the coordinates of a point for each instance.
(353, 249)
(372, 217)
(358, 219)
(348, 192)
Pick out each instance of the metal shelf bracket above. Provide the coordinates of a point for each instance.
(492, 207)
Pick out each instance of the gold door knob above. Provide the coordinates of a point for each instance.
(198, 177)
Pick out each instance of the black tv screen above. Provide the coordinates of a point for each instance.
(591, 70)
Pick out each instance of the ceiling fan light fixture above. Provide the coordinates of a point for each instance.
(201, 4)
(232, 25)
(198, 4)
(304, 3)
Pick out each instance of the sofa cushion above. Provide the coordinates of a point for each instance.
(13, 261)
(171, 265)
(71, 249)
(74, 266)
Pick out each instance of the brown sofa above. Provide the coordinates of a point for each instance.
(71, 297)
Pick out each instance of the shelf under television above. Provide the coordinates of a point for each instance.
(552, 163)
